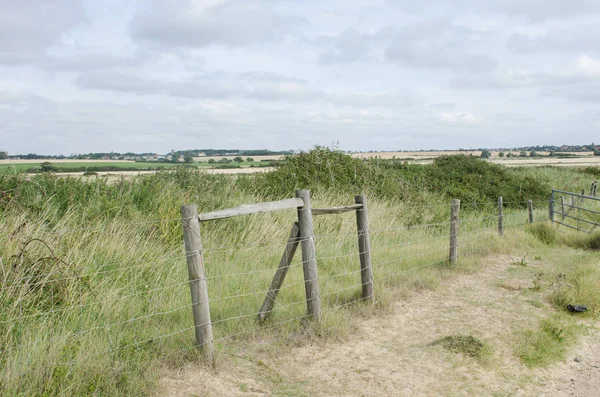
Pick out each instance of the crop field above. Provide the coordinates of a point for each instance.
(94, 296)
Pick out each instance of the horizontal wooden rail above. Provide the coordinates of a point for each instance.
(247, 209)
(336, 210)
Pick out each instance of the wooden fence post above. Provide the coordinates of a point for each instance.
(562, 206)
(454, 226)
(309, 259)
(364, 249)
(198, 287)
(551, 207)
(500, 217)
(595, 186)
(284, 265)
(530, 208)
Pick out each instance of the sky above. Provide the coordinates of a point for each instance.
(79, 76)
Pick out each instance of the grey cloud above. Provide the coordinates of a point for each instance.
(579, 92)
(503, 80)
(437, 44)
(570, 86)
(89, 61)
(532, 10)
(396, 100)
(428, 54)
(185, 23)
(350, 46)
(27, 27)
(260, 86)
(574, 39)
(118, 81)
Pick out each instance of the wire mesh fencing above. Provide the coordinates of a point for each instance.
(125, 308)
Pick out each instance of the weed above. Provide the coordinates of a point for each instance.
(520, 262)
(537, 282)
(464, 344)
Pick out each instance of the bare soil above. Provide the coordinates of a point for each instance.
(393, 355)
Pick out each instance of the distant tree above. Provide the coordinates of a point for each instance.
(3, 154)
(211, 161)
(238, 159)
(188, 159)
(249, 160)
(596, 152)
(175, 158)
(47, 167)
(532, 154)
(485, 154)
(501, 154)
(523, 153)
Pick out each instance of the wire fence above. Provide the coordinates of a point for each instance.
(144, 308)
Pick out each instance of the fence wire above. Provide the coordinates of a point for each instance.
(152, 313)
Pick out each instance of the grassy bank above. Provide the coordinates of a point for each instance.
(94, 293)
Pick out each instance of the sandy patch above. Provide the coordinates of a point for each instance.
(393, 355)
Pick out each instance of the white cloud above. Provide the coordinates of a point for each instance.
(588, 66)
(467, 118)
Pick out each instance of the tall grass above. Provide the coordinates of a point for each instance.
(94, 294)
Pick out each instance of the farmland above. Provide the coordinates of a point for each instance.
(94, 279)
(115, 170)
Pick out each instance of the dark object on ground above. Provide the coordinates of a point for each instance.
(577, 308)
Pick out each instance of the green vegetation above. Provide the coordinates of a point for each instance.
(94, 297)
(547, 344)
(464, 177)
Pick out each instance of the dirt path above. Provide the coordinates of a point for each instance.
(392, 355)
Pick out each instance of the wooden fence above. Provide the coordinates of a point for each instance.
(301, 234)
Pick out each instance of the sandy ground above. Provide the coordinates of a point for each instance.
(393, 356)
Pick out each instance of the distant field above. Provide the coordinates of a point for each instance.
(24, 165)
(82, 165)
(256, 158)
(76, 167)
(433, 154)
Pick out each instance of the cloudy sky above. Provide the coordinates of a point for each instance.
(124, 75)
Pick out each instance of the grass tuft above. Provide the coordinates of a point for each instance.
(544, 231)
(547, 344)
(463, 344)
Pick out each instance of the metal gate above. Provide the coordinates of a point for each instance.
(574, 210)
